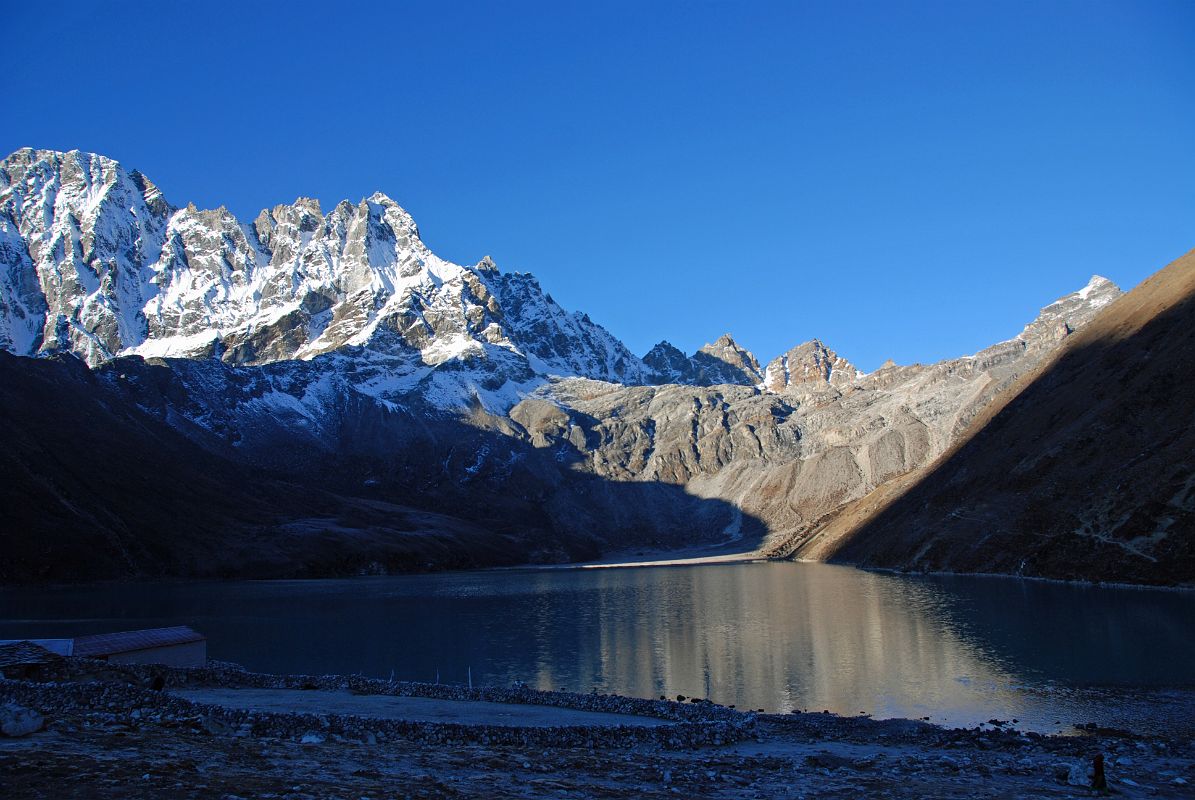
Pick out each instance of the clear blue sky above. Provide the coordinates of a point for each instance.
(900, 179)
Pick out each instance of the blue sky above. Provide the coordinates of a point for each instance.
(907, 180)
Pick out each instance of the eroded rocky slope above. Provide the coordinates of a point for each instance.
(816, 435)
(1085, 469)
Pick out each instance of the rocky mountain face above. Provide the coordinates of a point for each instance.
(723, 361)
(1083, 469)
(335, 353)
(793, 455)
(811, 365)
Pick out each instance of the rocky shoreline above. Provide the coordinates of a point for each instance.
(126, 687)
(108, 730)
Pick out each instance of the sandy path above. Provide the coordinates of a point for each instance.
(735, 552)
(422, 709)
(617, 561)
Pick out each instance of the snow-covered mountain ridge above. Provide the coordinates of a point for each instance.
(95, 261)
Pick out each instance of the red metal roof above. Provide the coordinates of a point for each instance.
(108, 644)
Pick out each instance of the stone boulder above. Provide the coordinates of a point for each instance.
(17, 720)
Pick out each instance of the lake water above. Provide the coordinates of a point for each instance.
(778, 636)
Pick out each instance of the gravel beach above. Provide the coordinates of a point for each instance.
(107, 733)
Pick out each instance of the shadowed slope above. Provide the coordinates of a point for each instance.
(102, 478)
(97, 488)
(1085, 469)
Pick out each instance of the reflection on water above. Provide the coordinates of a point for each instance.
(779, 636)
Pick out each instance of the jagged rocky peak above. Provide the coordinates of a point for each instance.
(669, 365)
(722, 362)
(725, 361)
(1054, 322)
(808, 363)
(76, 232)
(1064, 315)
(150, 193)
(1097, 286)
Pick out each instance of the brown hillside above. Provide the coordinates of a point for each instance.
(1084, 469)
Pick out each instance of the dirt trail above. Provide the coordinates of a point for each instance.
(423, 709)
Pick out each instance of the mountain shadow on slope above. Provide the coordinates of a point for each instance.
(1088, 472)
(101, 483)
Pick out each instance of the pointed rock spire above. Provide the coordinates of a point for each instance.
(810, 363)
(725, 361)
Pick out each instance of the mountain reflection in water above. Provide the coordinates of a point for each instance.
(779, 636)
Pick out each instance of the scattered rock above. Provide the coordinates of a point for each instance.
(827, 760)
(215, 727)
(17, 720)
